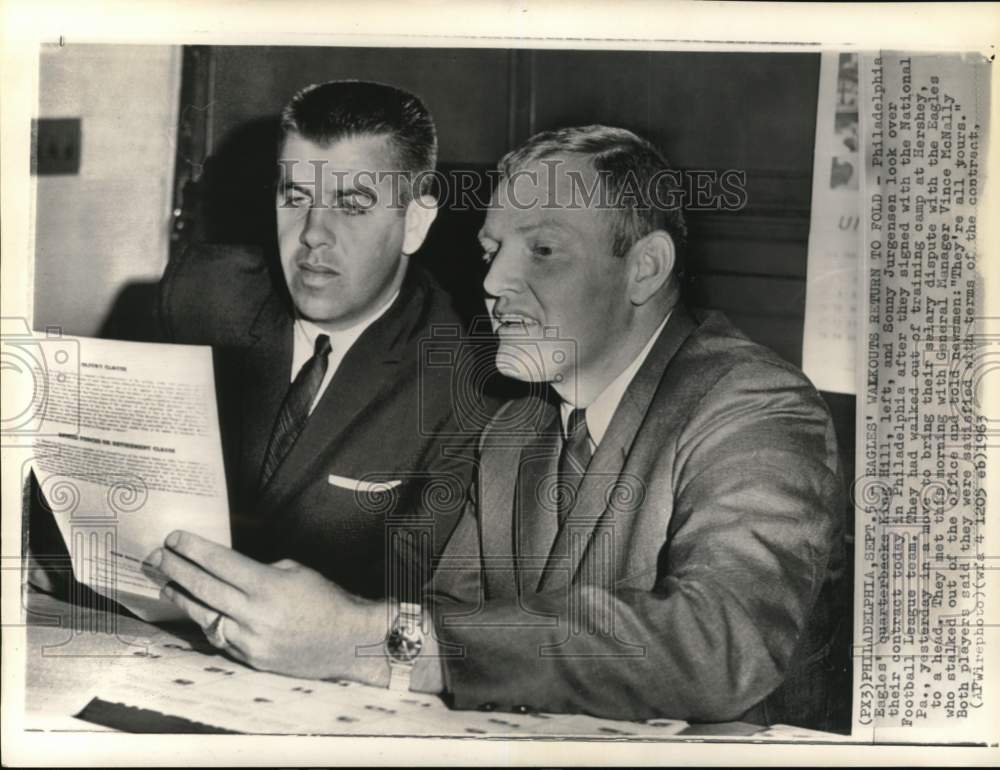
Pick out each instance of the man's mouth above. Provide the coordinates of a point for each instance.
(515, 323)
(315, 275)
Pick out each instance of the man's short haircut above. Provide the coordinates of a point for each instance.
(342, 109)
(639, 183)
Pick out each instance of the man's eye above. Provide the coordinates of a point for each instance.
(294, 199)
(488, 255)
(539, 250)
(353, 208)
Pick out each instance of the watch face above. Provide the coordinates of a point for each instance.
(403, 644)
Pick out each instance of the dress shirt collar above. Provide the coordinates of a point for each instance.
(600, 411)
(340, 341)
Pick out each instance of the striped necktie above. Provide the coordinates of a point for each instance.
(573, 459)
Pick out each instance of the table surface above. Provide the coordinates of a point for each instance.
(75, 654)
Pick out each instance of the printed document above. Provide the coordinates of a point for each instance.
(129, 451)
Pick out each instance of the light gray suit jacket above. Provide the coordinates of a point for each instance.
(695, 576)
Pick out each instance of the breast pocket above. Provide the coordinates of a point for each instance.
(372, 497)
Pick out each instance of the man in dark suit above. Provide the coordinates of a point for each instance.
(659, 533)
(336, 432)
(359, 470)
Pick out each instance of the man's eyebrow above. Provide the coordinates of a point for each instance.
(543, 224)
(304, 189)
(350, 191)
(309, 187)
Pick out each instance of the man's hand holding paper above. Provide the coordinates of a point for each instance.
(280, 617)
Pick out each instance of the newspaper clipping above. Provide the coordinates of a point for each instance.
(924, 429)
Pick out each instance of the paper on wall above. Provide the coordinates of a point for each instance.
(830, 331)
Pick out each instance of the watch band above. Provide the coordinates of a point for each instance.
(410, 612)
(399, 676)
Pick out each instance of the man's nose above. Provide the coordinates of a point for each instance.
(317, 231)
(505, 274)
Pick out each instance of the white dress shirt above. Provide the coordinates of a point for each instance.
(304, 345)
(600, 411)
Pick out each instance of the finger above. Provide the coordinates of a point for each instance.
(205, 616)
(228, 635)
(205, 587)
(285, 564)
(236, 653)
(226, 564)
(236, 638)
(200, 613)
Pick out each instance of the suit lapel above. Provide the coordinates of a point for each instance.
(266, 370)
(605, 497)
(536, 510)
(370, 368)
(500, 462)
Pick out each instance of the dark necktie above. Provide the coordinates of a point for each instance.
(295, 408)
(573, 459)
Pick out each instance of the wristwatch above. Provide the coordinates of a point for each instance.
(403, 644)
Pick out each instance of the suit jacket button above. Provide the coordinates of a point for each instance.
(522, 709)
(487, 706)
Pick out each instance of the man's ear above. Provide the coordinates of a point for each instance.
(652, 258)
(420, 214)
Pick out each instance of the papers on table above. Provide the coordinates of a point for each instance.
(209, 689)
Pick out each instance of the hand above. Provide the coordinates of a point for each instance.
(281, 617)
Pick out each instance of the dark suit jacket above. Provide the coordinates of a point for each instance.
(386, 416)
(695, 575)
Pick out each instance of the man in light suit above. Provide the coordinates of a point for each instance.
(656, 534)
